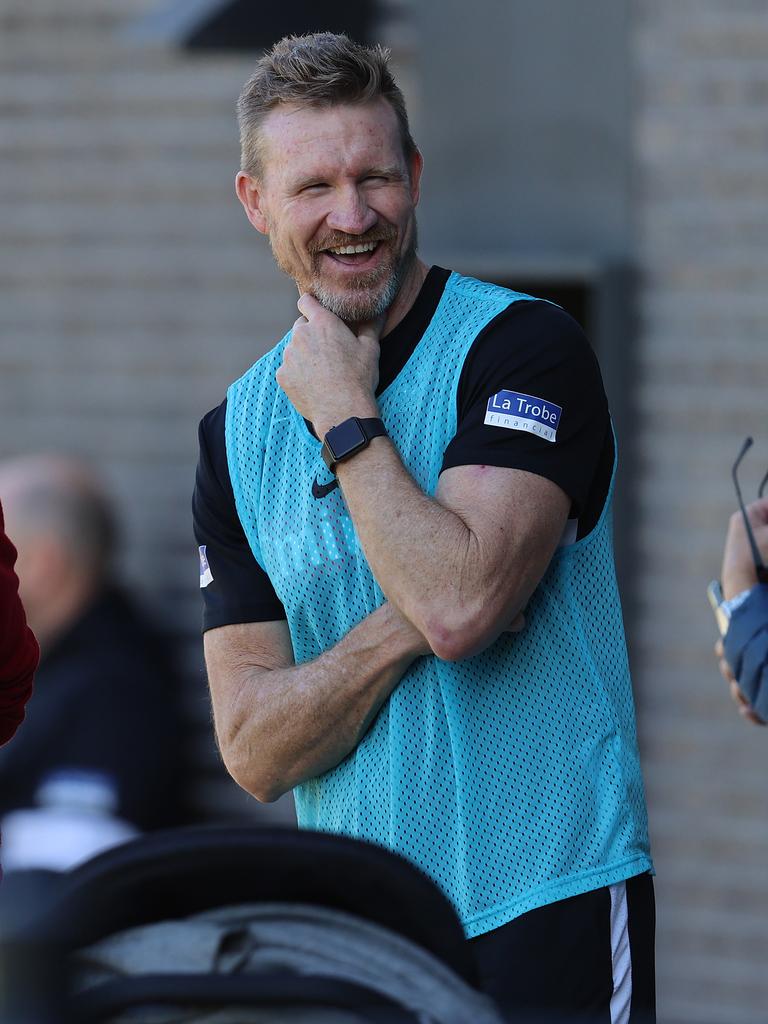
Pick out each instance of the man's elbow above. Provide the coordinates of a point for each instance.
(262, 787)
(256, 779)
(455, 638)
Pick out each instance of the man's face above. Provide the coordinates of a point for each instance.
(337, 200)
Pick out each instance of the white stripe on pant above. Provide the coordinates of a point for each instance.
(621, 958)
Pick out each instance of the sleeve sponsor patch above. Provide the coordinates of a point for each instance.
(206, 576)
(516, 411)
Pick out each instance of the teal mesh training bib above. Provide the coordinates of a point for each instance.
(511, 778)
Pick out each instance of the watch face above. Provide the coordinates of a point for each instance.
(345, 439)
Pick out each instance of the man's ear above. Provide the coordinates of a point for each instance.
(416, 167)
(250, 195)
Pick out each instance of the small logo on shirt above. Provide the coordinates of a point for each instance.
(206, 576)
(516, 411)
(321, 490)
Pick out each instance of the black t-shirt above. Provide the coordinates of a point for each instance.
(532, 348)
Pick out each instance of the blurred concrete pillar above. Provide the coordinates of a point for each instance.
(527, 135)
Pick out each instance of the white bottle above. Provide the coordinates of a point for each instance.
(74, 821)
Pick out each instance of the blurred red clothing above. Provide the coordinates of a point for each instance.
(19, 652)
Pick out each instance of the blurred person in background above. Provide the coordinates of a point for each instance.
(743, 649)
(105, 723)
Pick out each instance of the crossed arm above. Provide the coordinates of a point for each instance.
(456, 568)
(455, 581)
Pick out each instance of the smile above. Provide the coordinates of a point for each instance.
(361, 257)
(352, 250)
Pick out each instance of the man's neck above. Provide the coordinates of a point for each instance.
(406, 296)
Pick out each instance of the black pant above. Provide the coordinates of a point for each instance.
(556, 964)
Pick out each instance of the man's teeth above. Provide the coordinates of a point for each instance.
(350, 250)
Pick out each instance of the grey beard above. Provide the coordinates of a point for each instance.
(355, 309)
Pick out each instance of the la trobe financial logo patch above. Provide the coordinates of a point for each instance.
(516, 411)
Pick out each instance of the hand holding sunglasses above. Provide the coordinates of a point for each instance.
(744, 565)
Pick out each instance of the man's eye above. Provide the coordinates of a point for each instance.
(315, 186)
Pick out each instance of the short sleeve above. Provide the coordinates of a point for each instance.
(534, 356)
(235, 588)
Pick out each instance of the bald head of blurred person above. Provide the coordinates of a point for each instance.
(63, 528)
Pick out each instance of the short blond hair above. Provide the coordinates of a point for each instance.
(318, 70)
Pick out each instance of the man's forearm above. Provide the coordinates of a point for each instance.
(416, 548)
(289, 724)
(460, 586)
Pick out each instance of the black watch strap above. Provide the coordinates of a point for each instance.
(350, 437)
(372, 426)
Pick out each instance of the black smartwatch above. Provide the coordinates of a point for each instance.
(349, 438)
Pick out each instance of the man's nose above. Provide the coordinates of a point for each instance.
(350, 212)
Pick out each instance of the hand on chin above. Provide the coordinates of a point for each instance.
(330, 371)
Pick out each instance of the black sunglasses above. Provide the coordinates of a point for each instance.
(760, 568)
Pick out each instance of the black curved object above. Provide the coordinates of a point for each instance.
(187, 871)
(175, 874)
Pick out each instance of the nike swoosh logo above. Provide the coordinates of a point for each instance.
(321, 490)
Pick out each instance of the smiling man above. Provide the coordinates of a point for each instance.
(355, 255)
(403, 511)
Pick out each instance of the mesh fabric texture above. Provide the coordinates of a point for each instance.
(511, 778)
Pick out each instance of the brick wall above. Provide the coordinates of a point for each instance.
(701, 205)
(132, 289)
